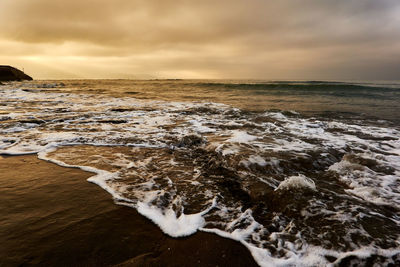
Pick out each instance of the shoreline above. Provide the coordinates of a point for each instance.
(50, 215)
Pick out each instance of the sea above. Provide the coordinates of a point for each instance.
(301, 173)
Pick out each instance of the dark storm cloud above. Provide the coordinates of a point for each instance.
(255, 39)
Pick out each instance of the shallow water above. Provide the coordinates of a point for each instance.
(301, 173)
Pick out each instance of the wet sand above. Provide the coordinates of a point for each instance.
(51, 216)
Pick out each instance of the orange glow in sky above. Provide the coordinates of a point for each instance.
(288, 39)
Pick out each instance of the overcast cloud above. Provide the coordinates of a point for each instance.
(285, 39)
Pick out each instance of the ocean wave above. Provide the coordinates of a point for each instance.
(306, 86)
(293, 190)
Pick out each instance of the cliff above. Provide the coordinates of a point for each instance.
(8, 73)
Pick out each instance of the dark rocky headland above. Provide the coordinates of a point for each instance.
(8, 73)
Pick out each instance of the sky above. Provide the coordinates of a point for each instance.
(209, 39)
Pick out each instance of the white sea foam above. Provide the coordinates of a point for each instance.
(241, 137)
(276, 115)
(200, 128)
(368, 184)
(254, 159)
(172, 225)
(297, 182)
(167, 220)
(270, 152)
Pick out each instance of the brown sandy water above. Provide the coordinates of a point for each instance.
(51, 216)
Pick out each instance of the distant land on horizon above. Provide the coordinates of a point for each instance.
(9, 73)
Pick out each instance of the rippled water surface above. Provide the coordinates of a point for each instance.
(301, 173)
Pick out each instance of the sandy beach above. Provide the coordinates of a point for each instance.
(51, 216)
